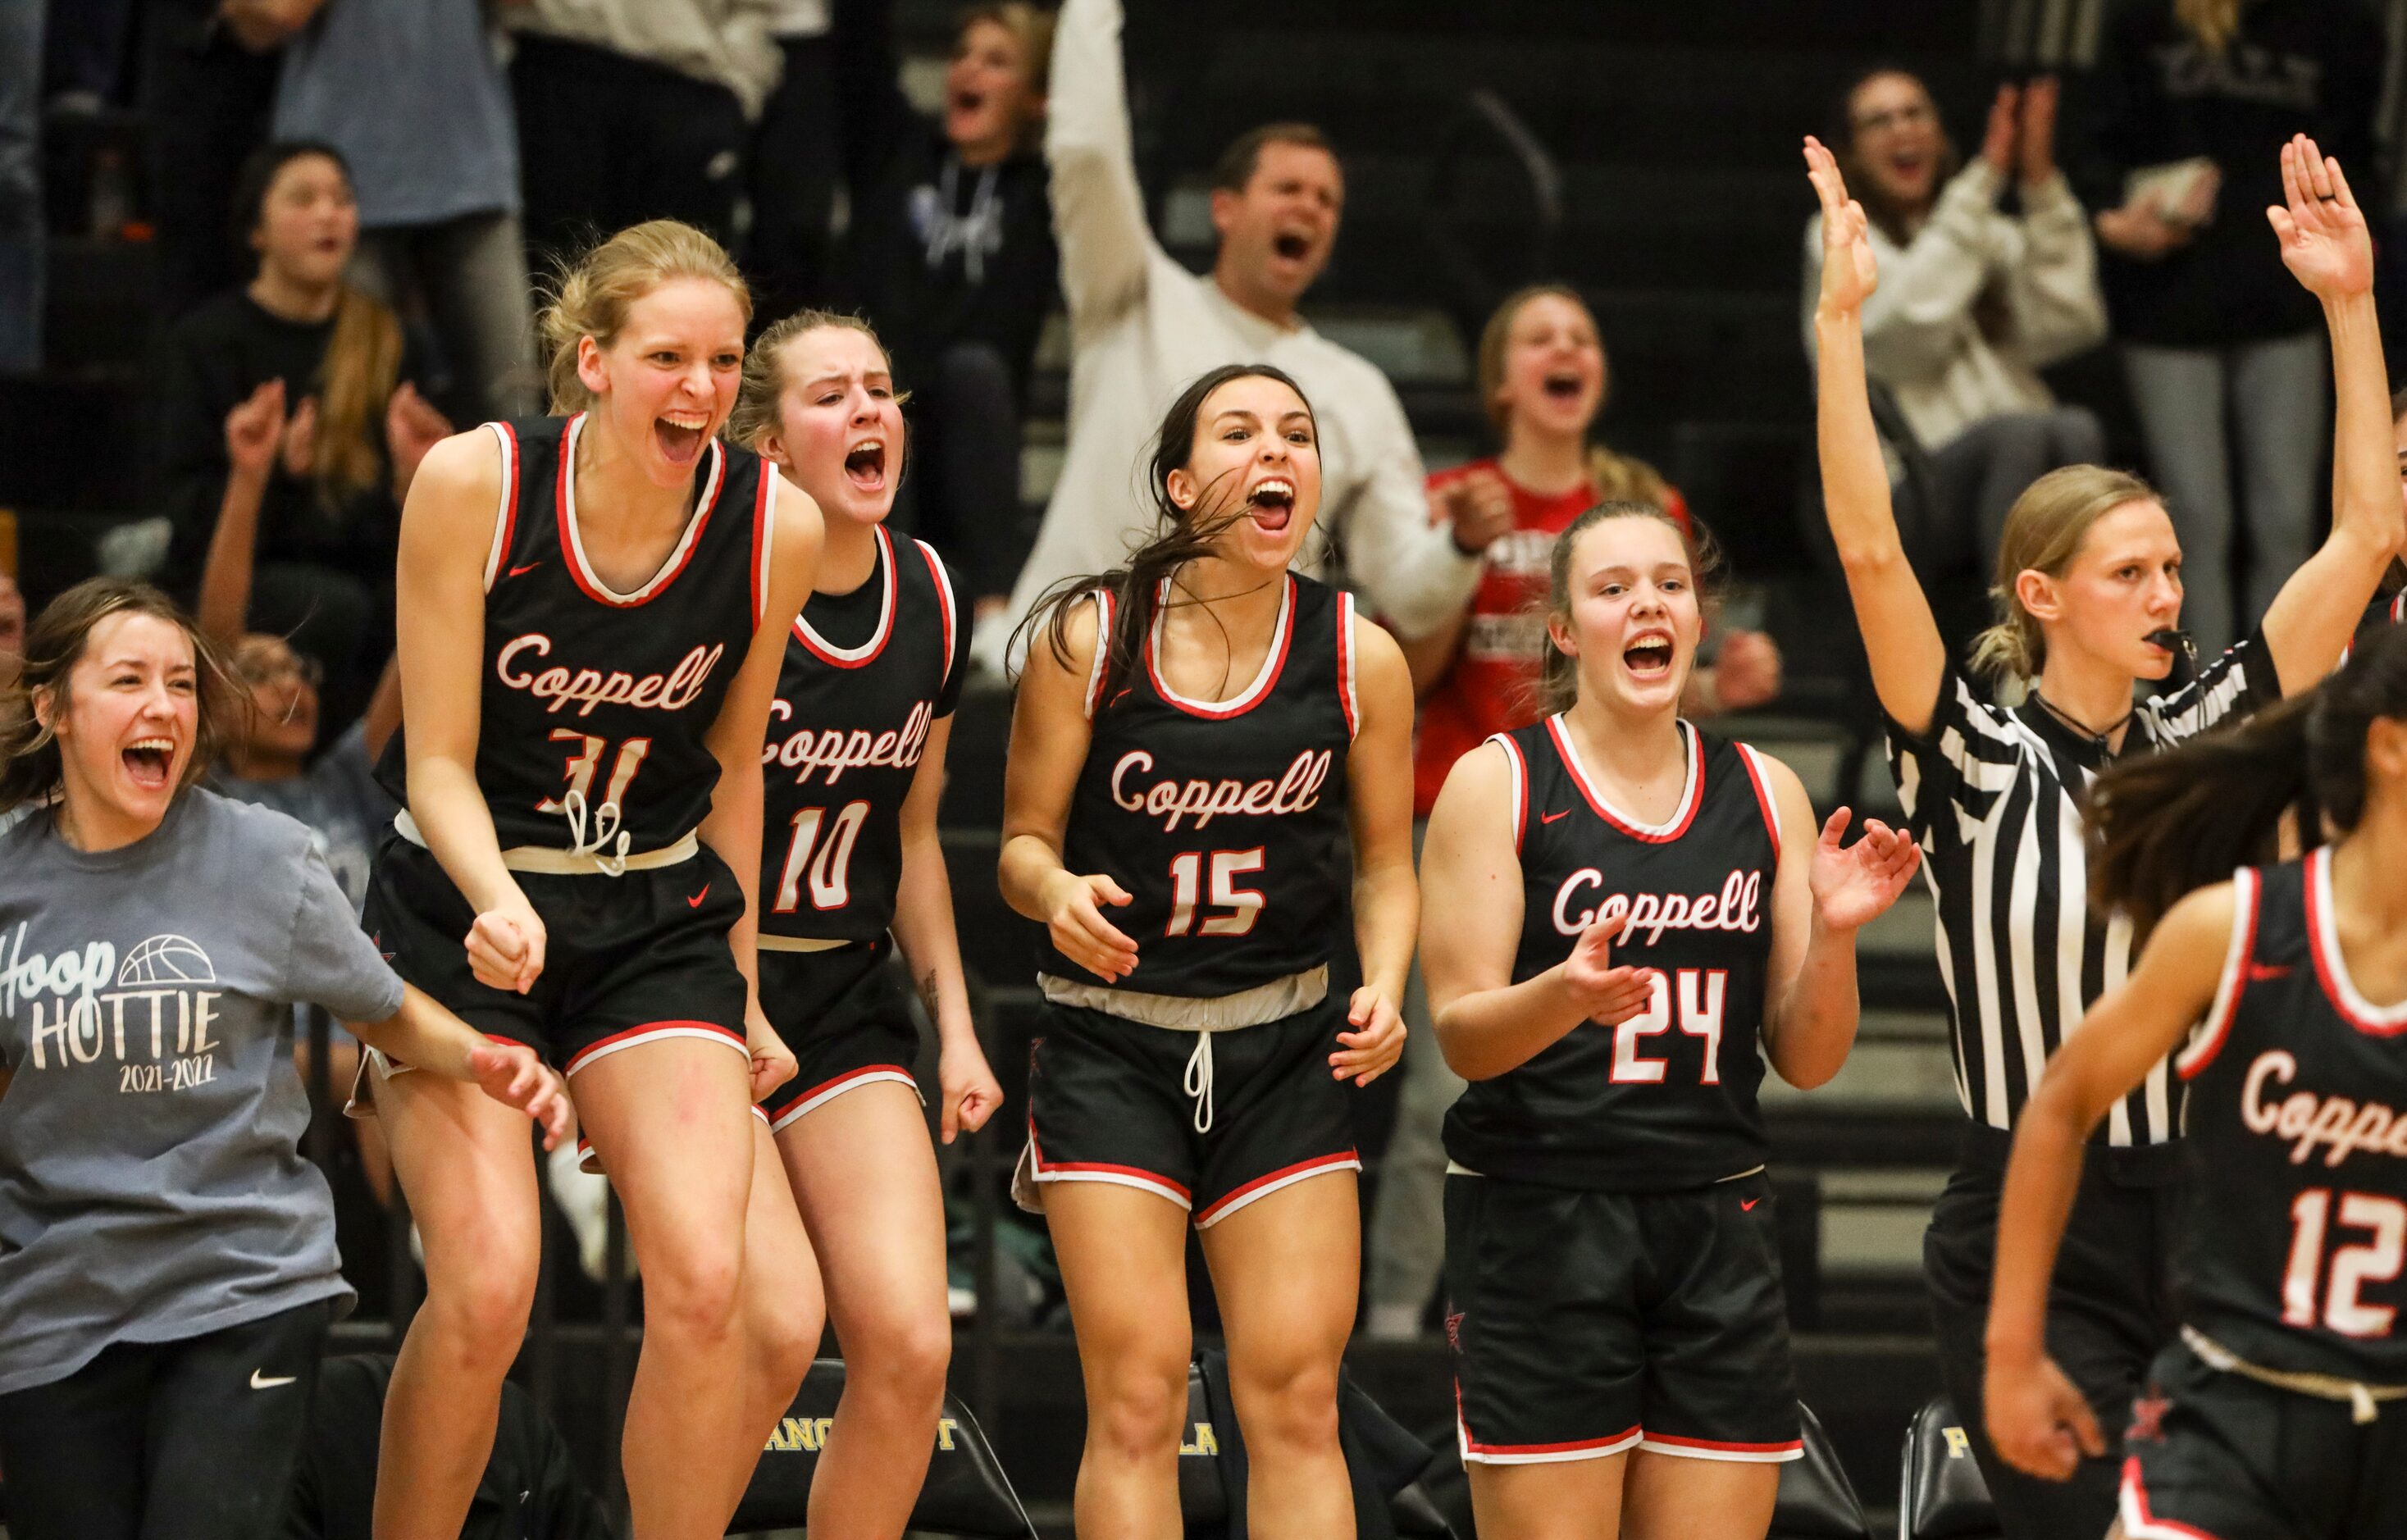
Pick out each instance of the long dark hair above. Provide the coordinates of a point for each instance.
(2164, 824)
(1184, 534)
(1557, 689)
(31, 768)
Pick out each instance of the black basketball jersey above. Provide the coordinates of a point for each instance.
(1667, 1099)
(596, 704)
(2296, 1125)
(1225, 820)
(846, 733)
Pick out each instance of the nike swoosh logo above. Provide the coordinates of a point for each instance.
(695, 902)
(262, 1381)
(1549, 817)
(2259, 972)
(1746, 1205)
(521, 572)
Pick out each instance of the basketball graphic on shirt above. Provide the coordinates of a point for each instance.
(166, 960)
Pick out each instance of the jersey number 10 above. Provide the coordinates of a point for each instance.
(1700, 1016)
(827, 861)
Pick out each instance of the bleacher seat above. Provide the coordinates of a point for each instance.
(1816, 1499)
(1941, 1493)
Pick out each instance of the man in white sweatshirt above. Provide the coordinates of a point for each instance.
(1141, 326)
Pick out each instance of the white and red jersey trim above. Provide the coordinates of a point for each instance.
(866, 653)
(1477, 1453)
(1348, 696)
(943, 606)
(793, 1110)
(655, 1032)
(1262, 1187)
(1102, 652)
(1096, 1171)
(1691, 795)
(679, 554)
(2206, 1038)
(1273, 660)
(1707, 1449)
(1520, 785)
(2331, 968)
(2138, 1522)
(1762, 779)
(764, 539)
(506, 514)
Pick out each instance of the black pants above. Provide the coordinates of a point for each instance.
(188, 1440)
(2109, 1311)
(606, 141)
(964, 492)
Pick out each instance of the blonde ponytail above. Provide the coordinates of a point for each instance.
(355, 382)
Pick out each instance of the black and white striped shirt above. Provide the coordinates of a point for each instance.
(1990, 795)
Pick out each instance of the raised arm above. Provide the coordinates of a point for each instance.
(1822, 897)
(731, 828)
(1471, 868)
(1097, 209)
(254, 432)
(1379, 814)
(1050, 736)
(932, 948)
(1901, 638)
(2326, 245)
(2038, 1420)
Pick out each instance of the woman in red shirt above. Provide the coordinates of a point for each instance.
(1542, 376)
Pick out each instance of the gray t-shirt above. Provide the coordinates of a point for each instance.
(152, 1185)
(412, 93)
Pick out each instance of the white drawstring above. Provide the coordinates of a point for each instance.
(611, 858)
(1199, 1081)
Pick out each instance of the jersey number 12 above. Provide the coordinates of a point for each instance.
(2376, 1261)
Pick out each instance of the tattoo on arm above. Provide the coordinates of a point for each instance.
(928, 993)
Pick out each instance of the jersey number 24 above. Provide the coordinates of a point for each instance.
(1701, 991)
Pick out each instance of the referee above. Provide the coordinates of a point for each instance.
(2089, 584)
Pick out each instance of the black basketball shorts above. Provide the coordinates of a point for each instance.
(627, 960)
(1107, 1102)
(1586, 1324)
(845, 1016)
(2217, 1456)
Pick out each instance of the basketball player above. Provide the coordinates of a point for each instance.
(2282, 990)
(1624, 914)
(169, 1270)
(2088, 591)
(1196, 734)
(850, 870)
(593, 608)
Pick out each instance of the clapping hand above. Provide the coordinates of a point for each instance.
(412, 426)
(1609, 994)
(1855, 884)
(1480, 508)
(1849, 270)
(2325, 243)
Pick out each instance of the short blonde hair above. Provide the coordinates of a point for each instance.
(2043, 532)
(589, 297)
(1030, 26)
